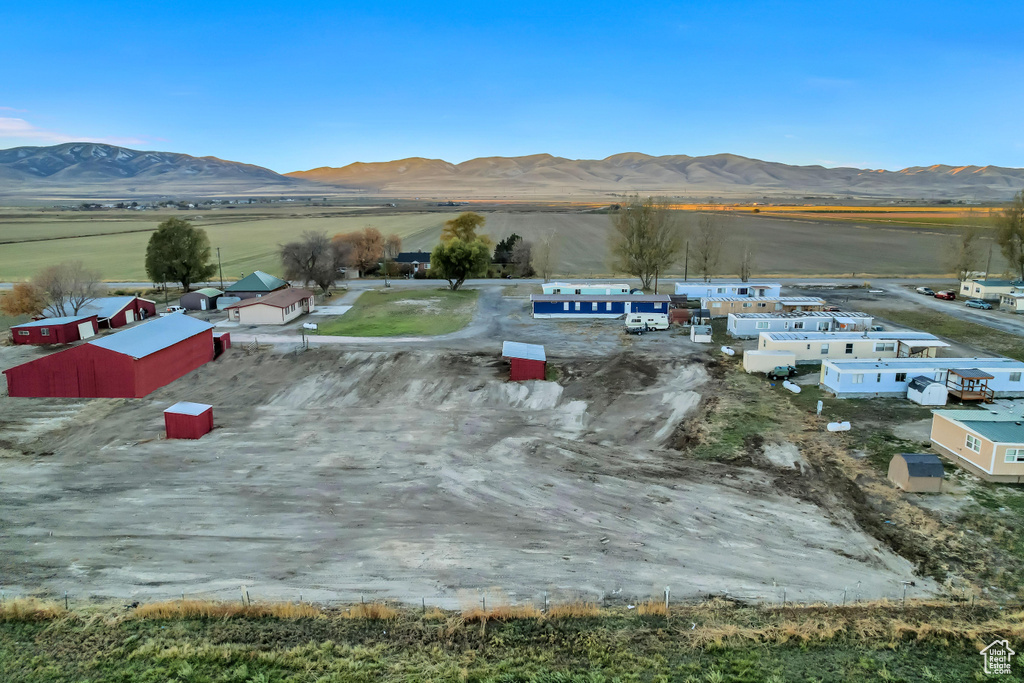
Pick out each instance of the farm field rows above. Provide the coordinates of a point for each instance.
(785, 245)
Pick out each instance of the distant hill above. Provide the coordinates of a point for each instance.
(87, 170)
(726, 174)
(95, 170)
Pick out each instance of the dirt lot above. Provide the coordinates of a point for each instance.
(415, 472)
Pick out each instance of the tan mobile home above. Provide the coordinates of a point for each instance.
(988, 443)
(722, 306)
(814, 347)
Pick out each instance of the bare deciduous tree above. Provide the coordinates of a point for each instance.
(707, 244)
(522, 256)
(313, 258)
(545, 255)
(68, 287)
(646, 239)
(1010, 236)
(747, 261)
(963, 253)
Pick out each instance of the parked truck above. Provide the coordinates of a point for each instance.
(638, 323)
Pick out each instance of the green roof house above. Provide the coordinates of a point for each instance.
(255, 285)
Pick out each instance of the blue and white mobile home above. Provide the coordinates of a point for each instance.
(867, 378)
(750, 325)
(585, 288)
(597, 305)
(699, 290)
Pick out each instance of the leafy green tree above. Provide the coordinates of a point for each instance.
(456, 259)
(463, 227)
(1010, 233)
(179, 252)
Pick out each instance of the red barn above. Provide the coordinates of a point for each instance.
(185, 420)
(56, 330)
(118, 311)
(128, 364)
(528, 360)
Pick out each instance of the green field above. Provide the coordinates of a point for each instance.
(716, 642)
(400, 314)
(115, 243)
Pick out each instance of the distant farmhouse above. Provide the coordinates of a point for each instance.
(419, 260)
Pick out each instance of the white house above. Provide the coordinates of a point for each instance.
(815, 347)
(750, 325)
(699, 290)
(989, 290)
(866, 378)
(585, 288)
(1014, 301)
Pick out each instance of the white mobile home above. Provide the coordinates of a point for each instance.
(585, 288)
(721, 306)
(1014, 301)
(867, 378)
(750, 325)
(699, 290)
(815, 347)
(988, 290)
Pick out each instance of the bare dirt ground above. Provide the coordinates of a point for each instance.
(419, 472)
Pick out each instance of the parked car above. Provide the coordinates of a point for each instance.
(946, 294)
(831, 309)
(877, 328)
(175, 309)
(927, 291)
(978, 303)
(781, 372)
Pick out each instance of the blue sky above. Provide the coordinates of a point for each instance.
(297, 85)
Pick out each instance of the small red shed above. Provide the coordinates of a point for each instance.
(56, 330)
(221, 343)
(186, 420)
(528, 360)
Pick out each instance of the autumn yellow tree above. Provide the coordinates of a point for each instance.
(24, 298)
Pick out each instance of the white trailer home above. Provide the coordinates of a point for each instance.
(815, 347)
(699, 290)
(585, 288)
(750, 325)
(965, 378)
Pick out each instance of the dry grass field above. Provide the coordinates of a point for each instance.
(814, 241)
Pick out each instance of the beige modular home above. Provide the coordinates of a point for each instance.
(988, 443)
(278, 308)
(988, 290)
(722, 306)
(814, 347)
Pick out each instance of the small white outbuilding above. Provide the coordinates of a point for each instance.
(926, 391)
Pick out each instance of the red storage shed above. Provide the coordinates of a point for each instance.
(56, 330)
(186, 420)
(128, 364)
(528, 360)
(117, 311)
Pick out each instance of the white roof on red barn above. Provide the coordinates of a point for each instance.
(150, 337)
(188, 408)
(524, 351)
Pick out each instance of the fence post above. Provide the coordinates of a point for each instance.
(666, 599)
(783, 598)
(844, 596)
(65, 600)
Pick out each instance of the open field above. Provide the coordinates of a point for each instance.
(713, 641)
(404, 313)
(804, 245)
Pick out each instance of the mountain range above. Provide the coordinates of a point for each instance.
(82, 170)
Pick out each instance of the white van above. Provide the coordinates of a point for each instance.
(637, 323)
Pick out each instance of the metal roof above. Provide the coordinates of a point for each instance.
(49, 322)
(257, 281)
(917, 337)
(209, 291)
(804, 314)
(921, 364)
(600, 297)
(155, 335)
(188, 408)
(997, 283)
(970, 373)
(792, 300)
(726, 283)
(106, 307)
(923, 465)
(1001, 431)
(524, 351)
(585, 284)
(281, 299)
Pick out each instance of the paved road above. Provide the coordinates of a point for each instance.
(998, 320)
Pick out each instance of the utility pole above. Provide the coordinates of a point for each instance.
(686, 261)
(988, 266)
(221, 270)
